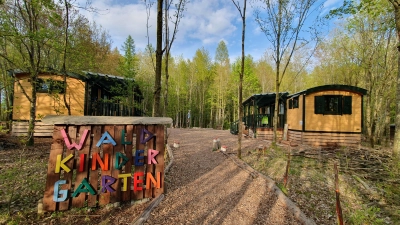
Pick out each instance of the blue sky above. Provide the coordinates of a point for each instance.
(205, 24)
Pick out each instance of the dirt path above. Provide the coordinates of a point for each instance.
(206, 187)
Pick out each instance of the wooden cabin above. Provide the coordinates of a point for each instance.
(90, 94)
(259, 114)
(326, 115)
(323, 115)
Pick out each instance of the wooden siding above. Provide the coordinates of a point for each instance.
(268, 133)
(41, 129)
(335, 123)
(294, 136)
(46, 103)
(295, 116)
(324, 139)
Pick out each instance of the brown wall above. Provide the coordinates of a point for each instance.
(48, 104)
(335, 123)
(295, 115)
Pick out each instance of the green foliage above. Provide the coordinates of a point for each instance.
(282, 187)
(251, 84)
(366, 216)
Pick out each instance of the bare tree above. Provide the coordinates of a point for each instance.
(175, 20)
(396, 147)
(242, 13)
(284, 24)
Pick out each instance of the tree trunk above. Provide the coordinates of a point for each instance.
(241, 83)
(159, 53)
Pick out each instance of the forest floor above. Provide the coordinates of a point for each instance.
(203, 188)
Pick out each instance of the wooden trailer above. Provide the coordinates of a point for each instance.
(326, 115)
(259, 114)
(90, 94)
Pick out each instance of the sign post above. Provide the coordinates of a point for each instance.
(101, 160)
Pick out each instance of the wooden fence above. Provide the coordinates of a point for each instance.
(100, 160)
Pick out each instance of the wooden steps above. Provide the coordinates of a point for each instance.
(41, 129)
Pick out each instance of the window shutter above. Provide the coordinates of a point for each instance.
(319, 102)
(290, 103)
(347, 104)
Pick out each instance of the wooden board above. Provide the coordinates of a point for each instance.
(160, 166)
(115, 196)
(80, 200)
(104, 198)
(52, 177)
(98, 120)
(151, 144)
(94, 176)
(139, 146)
(126, 196)
(41, 129)
(71, 132)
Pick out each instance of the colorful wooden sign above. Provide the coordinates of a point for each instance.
(92, 165)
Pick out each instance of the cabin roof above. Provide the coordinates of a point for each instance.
(264, 99)
(50, 72)
(330, 87)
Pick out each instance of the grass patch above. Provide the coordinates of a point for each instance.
(373, 200)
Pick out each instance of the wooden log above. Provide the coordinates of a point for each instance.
(338, 207)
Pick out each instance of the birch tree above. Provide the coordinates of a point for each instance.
(221, 83)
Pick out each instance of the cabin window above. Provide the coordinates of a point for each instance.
(294, 103)
(57, 86)
(42, 86)
(333, 105)
(50, 86)
(281, 109)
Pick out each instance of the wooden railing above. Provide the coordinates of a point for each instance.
(111, 109)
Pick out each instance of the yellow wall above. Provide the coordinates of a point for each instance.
(46, 103)
(336, 123)
(295, 115)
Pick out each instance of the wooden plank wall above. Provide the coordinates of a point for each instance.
(294, 136)
(325, 139)
(268, 133)
(41, 129)
(76, 176)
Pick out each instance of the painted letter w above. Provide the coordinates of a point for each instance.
(69, 145)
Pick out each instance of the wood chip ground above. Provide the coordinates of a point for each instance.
(207, 187)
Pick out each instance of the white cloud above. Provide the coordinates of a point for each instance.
(123, 20)
(207, 22)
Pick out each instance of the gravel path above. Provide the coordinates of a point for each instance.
(206, 187)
